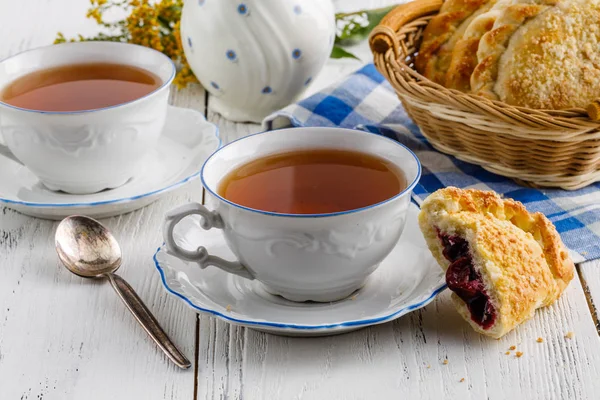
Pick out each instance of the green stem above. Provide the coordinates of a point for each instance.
(376, 10)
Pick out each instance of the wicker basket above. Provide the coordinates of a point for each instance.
(541, 148)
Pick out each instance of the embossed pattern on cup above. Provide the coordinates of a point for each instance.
(318, 257)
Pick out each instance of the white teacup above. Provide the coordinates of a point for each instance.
(85, 151)
(318, 257)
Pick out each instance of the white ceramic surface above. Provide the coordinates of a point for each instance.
(85, 151)
(256, 56)
(185, 143)
(318, 257)
(408, 279)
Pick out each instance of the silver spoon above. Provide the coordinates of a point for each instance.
(89, 250)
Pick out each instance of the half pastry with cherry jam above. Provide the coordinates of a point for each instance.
(501, 262)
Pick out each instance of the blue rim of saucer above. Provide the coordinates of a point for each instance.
(124, 199)
(407, 191)
(347, 324)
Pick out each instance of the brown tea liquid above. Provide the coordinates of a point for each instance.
(312, 182)
(80, 87)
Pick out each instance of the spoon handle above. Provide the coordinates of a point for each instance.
(147, 320)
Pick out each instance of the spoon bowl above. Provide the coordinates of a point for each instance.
(88, 249)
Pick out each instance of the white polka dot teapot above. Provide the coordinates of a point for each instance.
(256, 56)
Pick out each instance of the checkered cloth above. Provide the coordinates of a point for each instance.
(364, 100)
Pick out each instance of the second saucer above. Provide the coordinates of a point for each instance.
(186, 142)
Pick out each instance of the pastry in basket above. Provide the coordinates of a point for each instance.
(494, 44)
(501, 262)
(442, 33)
(464, 54)
(542, 56)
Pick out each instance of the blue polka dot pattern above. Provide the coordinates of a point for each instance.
(267, 90)
(214, 84)
(190, 42)
(231, 55)
(298, 9)
(297, 53)
(242, 9)
(201, 2)
(308, 81)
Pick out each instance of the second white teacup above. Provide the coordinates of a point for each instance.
(85, 151)
(318, 257)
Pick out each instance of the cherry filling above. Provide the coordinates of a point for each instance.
(463, 280)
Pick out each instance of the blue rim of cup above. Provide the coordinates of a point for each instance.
(355, 323)
(406, 191)
(166, 83)
(121, 200)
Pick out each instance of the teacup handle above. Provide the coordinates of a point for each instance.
(210, 219)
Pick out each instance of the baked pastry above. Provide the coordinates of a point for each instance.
(544, 55)
(553, 61)
(494, 44)
(441, 34)
(501, 262)
(464, 54)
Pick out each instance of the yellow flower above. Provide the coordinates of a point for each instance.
(60, 38)
(155, 25)
(96, 14)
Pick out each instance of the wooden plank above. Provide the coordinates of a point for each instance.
(405, 359)
(589, 273)
(228, 130)
(221, 346)
(64, 337)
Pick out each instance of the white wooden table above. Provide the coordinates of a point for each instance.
(62, 337)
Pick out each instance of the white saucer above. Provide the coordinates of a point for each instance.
(187, 141)
(408, 279)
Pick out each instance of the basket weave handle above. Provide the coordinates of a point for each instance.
(593, 110)
(383, 37)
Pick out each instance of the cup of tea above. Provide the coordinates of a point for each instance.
(82, 116)
(308, 212)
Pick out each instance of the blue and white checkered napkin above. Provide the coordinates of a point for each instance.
(364, 100)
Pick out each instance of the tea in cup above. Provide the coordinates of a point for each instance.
(82, 116)
(308, 212)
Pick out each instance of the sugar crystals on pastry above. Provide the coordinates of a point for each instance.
(495, 43)
(553, 61)
(544, 55)
(501, 262)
